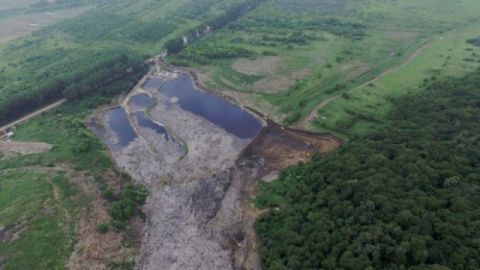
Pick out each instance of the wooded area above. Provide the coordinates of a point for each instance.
(405, 196)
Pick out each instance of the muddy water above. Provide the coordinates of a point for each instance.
(215, 109)
(118, 122)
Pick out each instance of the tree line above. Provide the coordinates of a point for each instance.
(175, 45)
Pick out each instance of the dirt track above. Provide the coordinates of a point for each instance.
(33, 114)
(312, 116)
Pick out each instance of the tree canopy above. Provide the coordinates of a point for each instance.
(406, 196)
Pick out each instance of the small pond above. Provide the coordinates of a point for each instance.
(142, 100)
(118, 122)
(215, 109)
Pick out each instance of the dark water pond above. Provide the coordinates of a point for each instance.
(216, 110)
(154, 83)
(142, 100)
(118, 122)
(144, 121)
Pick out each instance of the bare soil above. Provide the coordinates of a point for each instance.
(263, 66)
(279, 147)
(11, 148)
(93, 249)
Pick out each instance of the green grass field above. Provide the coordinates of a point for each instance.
(448, 54)
(41, 202)
(42, 205)
(302, 54)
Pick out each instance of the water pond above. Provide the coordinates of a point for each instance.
(142, 100)
(215, 109)
(118, 122)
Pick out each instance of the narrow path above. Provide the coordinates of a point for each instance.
(31, 115)
(313, 113)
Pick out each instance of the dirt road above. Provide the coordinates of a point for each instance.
(30, 116)
(313, 114)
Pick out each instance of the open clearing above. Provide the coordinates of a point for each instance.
(11, 148)
(263, 66)
(16, 26)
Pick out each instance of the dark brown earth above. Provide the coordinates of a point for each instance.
(278, 147)
(273, 150)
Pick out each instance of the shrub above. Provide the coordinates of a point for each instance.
(103, 228)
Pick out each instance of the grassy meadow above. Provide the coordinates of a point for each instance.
(40, 195)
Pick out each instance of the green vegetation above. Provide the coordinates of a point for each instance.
(128, 204)
(20, 18)
(310, 51)
(474, 41)
(405, 196)
(40, 209)
(103, 227)
(86, 54)
(41, 202)
(39, 193)
(177, 44)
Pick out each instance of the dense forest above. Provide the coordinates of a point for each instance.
(406, 196)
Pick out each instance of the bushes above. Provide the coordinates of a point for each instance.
(103, 228)
(127, 204)
(474, 41)
(176, 44)
(207, 52)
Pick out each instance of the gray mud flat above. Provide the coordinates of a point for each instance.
(194, 208)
